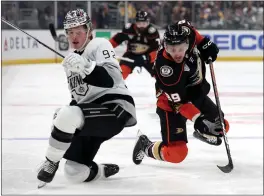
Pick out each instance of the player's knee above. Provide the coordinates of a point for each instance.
(125, 71)
(76, 172)
(69, 118)
(175, 152)
(56, 112)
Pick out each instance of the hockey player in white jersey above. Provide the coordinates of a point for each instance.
(101, 105)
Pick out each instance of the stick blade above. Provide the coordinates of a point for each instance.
(226, 169)
(53, 31)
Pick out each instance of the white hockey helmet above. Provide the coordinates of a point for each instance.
(75, 18)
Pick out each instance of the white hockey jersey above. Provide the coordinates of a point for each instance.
(101, 51)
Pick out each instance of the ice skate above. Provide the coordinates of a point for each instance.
(47, 172)
(141, 145)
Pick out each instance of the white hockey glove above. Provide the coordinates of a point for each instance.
(78, 64)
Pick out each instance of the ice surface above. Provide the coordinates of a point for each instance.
(31, 93)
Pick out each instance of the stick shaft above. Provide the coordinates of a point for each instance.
(17, 28)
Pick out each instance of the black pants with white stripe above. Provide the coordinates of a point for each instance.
(101, 123)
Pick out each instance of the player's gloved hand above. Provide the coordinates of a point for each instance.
(204, 126)
(208, 49)
(219, 127)
(175, 106)
(78, 64)
(142, 60)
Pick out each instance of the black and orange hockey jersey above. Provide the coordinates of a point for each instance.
(138, 43)
(176, 84)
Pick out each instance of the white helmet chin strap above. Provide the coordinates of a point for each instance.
(85, 43)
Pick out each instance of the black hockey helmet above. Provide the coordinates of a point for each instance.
(142, 16)
(175, 34)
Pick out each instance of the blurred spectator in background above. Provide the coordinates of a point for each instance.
(216, 18)
(131, 10)
(46, 17)
(103, 17)
(111, 14)
(237, 15)
(259, 18)
(9, 12)
(164, 12)
(60, 18)
(180, 13)
(250, 15)
(63, 8)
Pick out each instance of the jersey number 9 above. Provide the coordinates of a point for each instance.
(175, 97)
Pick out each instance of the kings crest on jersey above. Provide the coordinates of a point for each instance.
(76, 85)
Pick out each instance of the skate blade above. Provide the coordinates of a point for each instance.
(139, 133)
(41, 184)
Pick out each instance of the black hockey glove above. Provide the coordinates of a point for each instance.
(142, 60)
(204, 126)
(208, 49)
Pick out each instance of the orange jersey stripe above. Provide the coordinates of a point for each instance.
(114, 44)
(153, 56)
(198, 36)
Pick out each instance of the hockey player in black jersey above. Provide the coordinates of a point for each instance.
(143, 41)
(101, 106)
(182, 95)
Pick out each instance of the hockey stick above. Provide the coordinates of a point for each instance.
(17, 28)
(56, 38)
(228, 168)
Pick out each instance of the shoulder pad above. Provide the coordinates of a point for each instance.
(96, 43)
